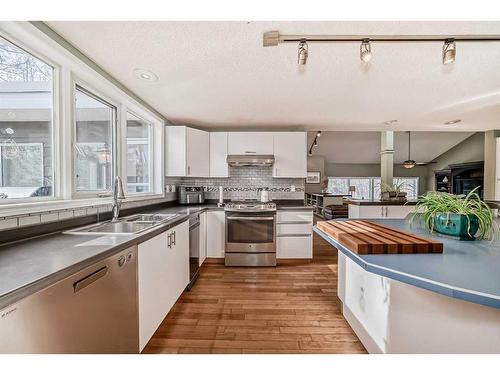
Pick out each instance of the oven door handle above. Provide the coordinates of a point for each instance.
(252, 218)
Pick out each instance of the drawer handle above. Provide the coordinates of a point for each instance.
(90, 279)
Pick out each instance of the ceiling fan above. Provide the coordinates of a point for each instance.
(410, 163)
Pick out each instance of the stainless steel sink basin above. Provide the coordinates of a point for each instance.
(125, 226)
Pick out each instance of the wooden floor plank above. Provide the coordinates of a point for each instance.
(288, 309)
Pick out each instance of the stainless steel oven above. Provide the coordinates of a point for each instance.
(250, 234)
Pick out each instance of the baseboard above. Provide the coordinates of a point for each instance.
(214, 261)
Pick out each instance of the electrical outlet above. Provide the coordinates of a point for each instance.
(292, 188)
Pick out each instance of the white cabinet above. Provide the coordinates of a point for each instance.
(294, 234)
(248, 143)
(290, 153)
(187, 152)
(379, 212)
(218, 155)
(216, 234)
(203, 237)
(163, 273)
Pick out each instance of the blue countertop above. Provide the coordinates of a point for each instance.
(466, 270)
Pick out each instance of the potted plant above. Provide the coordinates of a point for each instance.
(392, 192)
(460, 216)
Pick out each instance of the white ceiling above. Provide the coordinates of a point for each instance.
(217, 74)
(364, 147)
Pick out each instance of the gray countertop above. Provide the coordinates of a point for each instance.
(29, 266)
(376, 202)
(468, 270)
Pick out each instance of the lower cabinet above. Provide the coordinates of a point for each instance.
(163, 274)
(216, 234)
(294, 235)
(379, 212)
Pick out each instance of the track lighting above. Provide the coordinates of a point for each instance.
(314, 143)
(302, 52)
(365, 51)
(449, 51)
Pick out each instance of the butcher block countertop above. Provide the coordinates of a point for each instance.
(467, 270)
(364, 237)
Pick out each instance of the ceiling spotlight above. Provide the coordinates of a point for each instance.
(315, 143)
(318, 134)
(452, 122)
(449, 51)
(302, 52)
(365, 51)
(145, 75)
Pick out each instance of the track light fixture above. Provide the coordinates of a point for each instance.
(365, 51)
(449, 51)
(274, 38)
(314, 143)
(302, 52)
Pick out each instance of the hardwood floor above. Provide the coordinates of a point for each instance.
(288, 309)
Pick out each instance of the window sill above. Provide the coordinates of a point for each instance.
(26, 208)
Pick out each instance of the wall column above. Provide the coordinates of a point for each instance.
(490, 164)
(387, 157)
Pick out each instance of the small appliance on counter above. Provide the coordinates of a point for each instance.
(191, 195)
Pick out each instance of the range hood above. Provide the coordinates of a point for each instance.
(253, 160)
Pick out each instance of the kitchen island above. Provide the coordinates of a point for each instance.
(377, 209)
(423, 303)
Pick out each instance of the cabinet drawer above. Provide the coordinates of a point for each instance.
(294, 247)
(285, 229)
(294, 217)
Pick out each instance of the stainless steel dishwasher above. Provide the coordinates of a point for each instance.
(194, 250)
(92, 311)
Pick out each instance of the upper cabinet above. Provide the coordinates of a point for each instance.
(187, 152)
(248, 143)
(290, 154)
(218, 155)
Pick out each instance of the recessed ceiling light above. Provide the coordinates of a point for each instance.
(390, 122)
(145, 75)
(452, 122)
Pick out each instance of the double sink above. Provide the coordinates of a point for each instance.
(126, 225)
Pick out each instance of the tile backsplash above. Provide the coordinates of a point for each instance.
(244, 183)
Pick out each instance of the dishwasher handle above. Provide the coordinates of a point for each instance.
(90, 279)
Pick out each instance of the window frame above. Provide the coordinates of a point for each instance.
(79, 85)
(153, 178)
(372, 184)
(69, 69)
(55, 122)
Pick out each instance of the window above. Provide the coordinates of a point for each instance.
(95, 129)
(369, 187)
(26, 125)
(139, 151)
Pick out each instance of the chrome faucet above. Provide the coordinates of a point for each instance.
(118, 196)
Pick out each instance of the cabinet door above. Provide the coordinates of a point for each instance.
(203, 237)
(290, 152)
(178, 263)
(216, 234)
(294, 247)
(399, 212)
(241, 143)
(218, 155)
(366, 212)
(153, 289)
(175, 151)
(197, 153)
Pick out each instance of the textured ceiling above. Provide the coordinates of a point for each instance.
(217, 74)
(364, 147)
